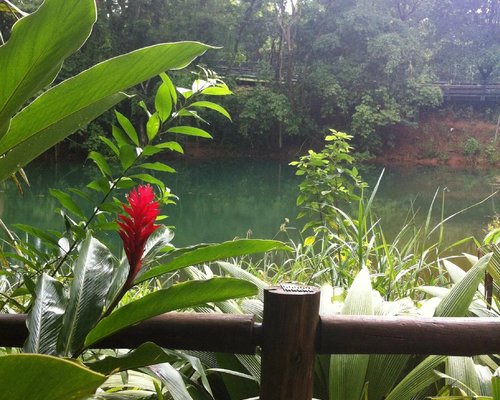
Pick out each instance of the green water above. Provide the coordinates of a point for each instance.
(220, 200)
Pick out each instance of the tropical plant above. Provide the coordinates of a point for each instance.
(329, 181)
(67, 318)
(31, 59)
(401, 377)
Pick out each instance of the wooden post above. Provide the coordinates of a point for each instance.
(291, 317)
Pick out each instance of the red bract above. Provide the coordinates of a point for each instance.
(137, 226)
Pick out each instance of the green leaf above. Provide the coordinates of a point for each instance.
(44, 320)
(67, 202)
(214, 252)
(417, 380)
(163, 102)
(238, 386)
(217, 91)
(146, 354)
(383, 372)
(348, 371)
(110, 144)
(172, 380)
(118, 280)
(157, 166)
(37, 233)
(237, 272)
(174, 146)
(463, 370)
(127, 127)
(7, 6)
(212, 106)
(151, 150)
(18, 150)
(120, 136)
(149, 179)
(100, 185)
(160, 239)
(190, 131)
(153, 126)
(59, 111)
(457, 301)
(182, 295)
(93, 273)
(128, 156)
(37, 47)
(42, 377)
(173, 92)
(495, 383)
(101, 163)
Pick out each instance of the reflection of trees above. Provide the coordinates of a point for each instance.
(35, 206)
(403, 189)
(221, 200)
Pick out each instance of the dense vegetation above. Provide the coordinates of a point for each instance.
(76, 290)
(359, 66)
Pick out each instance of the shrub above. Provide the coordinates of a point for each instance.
(471, 147)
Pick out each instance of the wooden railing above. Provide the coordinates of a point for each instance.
(292, 333)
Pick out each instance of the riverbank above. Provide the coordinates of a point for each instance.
(442, 140)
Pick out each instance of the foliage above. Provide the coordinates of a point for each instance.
(329, 181)
(33, 56)
(265, 116)
(471, 147)
(380, 377)
(72, 291)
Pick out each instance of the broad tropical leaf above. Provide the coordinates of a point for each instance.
(22, 150)
(463, 370)
(182, 295)
(43, 377)
(59, 111)
(214, 252)
(495, 383)
(172, 380)
(347, 371)
(146, 354)
(158, 240)
(33, 55)
(45, 318)
(417, 379)
(458, 300)
(237, 272)
(93, 274)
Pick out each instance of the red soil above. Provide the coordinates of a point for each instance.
(441, 140)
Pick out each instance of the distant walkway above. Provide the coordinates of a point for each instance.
(470, 92)
(465, 92)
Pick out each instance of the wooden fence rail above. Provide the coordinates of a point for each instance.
(292, 333)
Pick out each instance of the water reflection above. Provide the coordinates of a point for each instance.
(223, 199)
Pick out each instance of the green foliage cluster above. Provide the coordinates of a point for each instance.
(360, 66)
(472, 147)
(71, 284)
(330, 181)
(71, 287)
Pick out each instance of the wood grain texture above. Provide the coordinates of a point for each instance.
(405, 335)
(288, 335)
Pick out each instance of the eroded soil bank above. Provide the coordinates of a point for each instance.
(439, 139)
(443, 140)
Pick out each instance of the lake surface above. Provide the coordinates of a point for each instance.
(223, 199)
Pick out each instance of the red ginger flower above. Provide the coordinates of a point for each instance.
(137, 226)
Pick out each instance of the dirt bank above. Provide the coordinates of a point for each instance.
(442, 140)
(437, 140)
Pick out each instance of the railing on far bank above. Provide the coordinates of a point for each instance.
(292, 333)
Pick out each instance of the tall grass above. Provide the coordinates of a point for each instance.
(335, 253)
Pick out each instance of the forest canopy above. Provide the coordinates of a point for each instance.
(356, 65)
